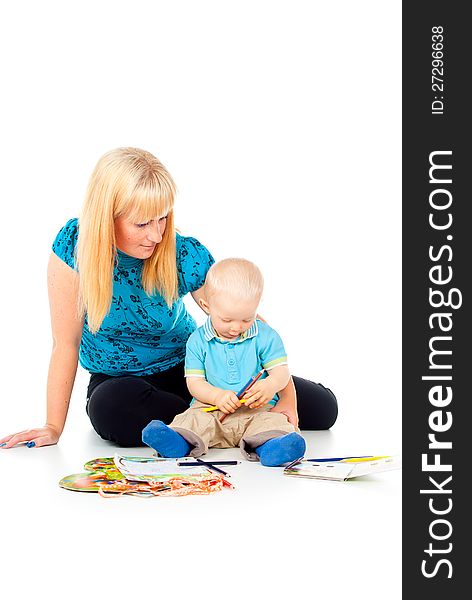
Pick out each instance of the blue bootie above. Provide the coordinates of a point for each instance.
(167, 442)
(280, 450)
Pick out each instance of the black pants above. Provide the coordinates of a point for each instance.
(120, 407)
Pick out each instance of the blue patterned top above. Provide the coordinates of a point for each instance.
(140, 335)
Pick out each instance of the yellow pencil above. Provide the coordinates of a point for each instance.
(211, 408)
(365, 459)
(241, 393)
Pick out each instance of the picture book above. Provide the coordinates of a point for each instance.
(87, 482)
(142, 476)
(342, 469)
(101, 472)
(143, 468)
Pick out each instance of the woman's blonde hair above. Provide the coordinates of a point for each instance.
(132, 183)
(237, 277)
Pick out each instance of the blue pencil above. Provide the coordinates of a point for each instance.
(211, 466)
(189, 463)
(241, 392)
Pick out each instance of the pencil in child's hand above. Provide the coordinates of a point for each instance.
(241, 392)
(209, 408)
(212, 408)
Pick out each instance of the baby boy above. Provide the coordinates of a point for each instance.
(222, 356)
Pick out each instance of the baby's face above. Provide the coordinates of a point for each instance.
(231, 317)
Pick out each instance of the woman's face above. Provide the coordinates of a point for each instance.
(139, 240)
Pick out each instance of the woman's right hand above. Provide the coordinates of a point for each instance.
(43, 436)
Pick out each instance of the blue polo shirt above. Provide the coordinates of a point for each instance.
(229, 365)
(140, 335)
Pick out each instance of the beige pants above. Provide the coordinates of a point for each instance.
(248, 428)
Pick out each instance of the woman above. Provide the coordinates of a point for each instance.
(116, 280)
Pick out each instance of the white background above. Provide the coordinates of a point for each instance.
(280, 123)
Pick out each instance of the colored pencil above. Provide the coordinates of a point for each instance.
(242, 391)
(347, 459)
(338, 459)
(228, 484)
(214, 462)
(210, 465)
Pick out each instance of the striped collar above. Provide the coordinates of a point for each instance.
(210, 333)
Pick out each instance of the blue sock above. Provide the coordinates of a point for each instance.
(280, 450)
(165, 440)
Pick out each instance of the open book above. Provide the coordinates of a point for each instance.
(342, 469)
(143, 476)
(142, 468)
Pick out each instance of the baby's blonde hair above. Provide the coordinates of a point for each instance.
(237, 277)
(132, 183)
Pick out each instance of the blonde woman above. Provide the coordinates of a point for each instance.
(116, 279)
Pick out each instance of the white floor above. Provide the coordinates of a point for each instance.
(271, 165)
(272, 534)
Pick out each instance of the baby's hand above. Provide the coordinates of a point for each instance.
(227, 401)
(260, 393)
